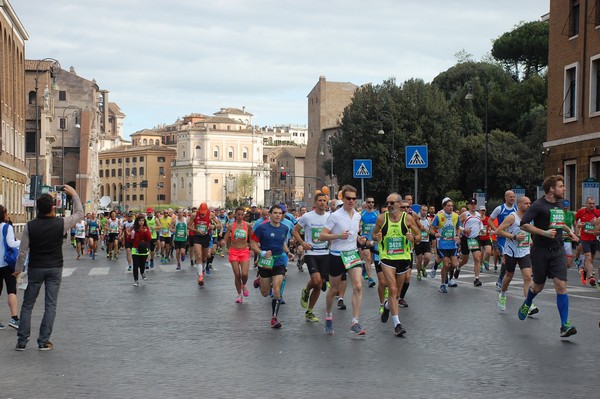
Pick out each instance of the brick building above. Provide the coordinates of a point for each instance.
(326, 104)
(573, 141)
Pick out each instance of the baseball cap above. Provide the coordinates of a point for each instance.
(482, 208)
(203, 208)
(472, 201)
(445, 200)
(566, 203)
(149, 210)
(339, 203)
(253, 205)
(283, 208)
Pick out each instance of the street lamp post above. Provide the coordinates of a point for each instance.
(63, 125)
(53, 72)
(393, 151)
(471, 97)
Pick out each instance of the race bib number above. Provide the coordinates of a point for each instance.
(79, 232)
(114, 228)
(484, 231)
(472, 243)
(424, 236)
(367, 228)
(239, 234)
(180, 233)
(202, 228)
(315, 232)
(267, 263)
(447, 233)
(93, 229)
(395, 245)
(351, 259)
(526, 243)
(164, 231)
(557, 219)
(589, 227)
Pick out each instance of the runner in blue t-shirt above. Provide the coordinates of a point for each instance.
(368, 218)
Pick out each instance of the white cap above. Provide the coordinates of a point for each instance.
(445, 200)
(253, 204)
(339, 203)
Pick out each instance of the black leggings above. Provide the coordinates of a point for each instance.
(139, 261)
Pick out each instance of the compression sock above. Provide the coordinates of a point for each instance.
(562, 302)
(282, 286)
(404, 289)
(275, 305)
(530, 296)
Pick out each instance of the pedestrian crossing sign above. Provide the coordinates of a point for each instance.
(363, 169)
(417, 157)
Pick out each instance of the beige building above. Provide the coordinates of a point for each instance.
(219, 157)
(326, 104)
(136, 177)
(13, 171)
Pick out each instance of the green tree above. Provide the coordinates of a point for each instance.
(244, 185)
(524, 50)
(415, 113)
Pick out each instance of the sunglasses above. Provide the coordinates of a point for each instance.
(369, 202)
(403, 207)
(351, 198)
(391, 203)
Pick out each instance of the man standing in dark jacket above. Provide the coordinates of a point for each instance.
(43, 240)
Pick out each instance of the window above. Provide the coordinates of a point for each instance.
(141, 159)
(161, 159)
(119, 172)
(134, 185)
(597, 16)
(161, 170)
(245, 153)
(133, 172)
(182, 183)
(570, 96)
(216, 152)
(141, 197)
(112, 173)
(107, 173)
(230, 152)
(595, 86)
(112, 161)
(134, 197)
(127, 172)
(101, 172)
(574, 18)
(161, 197)
(30, 142)
(160, 184)
(127, 197)
(570, 169)
(31, 97)
(134, 159)
(62, 123)
(120, 161)
(62, 95)
(216, 181)
(144, 142)
(141, 171)
(100, 162)
(214, 127)
(127, 160)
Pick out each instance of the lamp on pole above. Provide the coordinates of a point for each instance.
(393, 153)
(54, 68)
(471, 97)
(63, 126)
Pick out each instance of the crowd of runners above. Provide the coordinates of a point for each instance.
(377, 247)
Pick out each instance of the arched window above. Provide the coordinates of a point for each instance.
(230, 152)
(133, 171)
(216, 151)
(31, 97)
(145, 142)
(141, 171)
(245, 153)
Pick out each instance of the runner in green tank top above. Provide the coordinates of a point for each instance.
(179, 225)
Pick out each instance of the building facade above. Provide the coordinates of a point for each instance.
(288, 160)
(284, 135)
(13, 171)
(326, 104)
(573, 141)
(219, 157)
(135, 177)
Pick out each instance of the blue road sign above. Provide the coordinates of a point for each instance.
(363, 168)
(416, 157)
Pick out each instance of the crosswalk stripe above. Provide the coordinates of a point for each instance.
(67, 271)
(99, 271)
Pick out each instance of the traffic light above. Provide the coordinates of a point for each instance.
(283, 176)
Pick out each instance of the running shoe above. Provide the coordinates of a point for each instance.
(356, 328)
(371, 283)
(328, 326)
(304, 298)
(402, 303)
(135, 283)
(432, 272)
(275, 323)
(282, 301)
(14, 323)
(456, 273)
(2, 326)
(443, 289)
(499, 283)
(477, 283)
(238, 299)
(452, 283)
(385, 315)
(144, 277)
(310, 316)
(533, 310)
(501, 303)
(495, 268)
(147, 266)
(129, 268)
(183, 258)
(178, 268)
(47, 346)
(592, 281)
(381, 309)
(94, 256)
(481, 269)
(523, 311)
(20, 347)
(256, 282)
(208, 270)
(152, 264)
(201, 280)
(399, 330)
(583, 276)
(486, 265)
(245, 291)
(419, 276)
(424, 272)
(566, 330)
(324, 286)
(222, 254)
(364, 274)
(341, 305)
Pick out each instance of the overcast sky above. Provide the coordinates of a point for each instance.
(161, 60)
